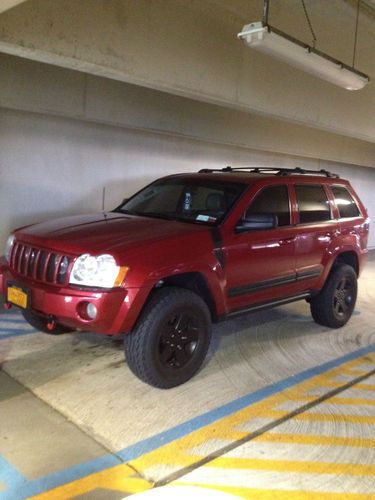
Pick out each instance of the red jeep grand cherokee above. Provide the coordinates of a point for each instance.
(187, 250)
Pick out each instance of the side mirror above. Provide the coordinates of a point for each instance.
(256, 222)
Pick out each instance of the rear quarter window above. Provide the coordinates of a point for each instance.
(345, 203)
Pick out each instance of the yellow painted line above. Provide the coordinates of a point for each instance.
(356, 371)
(329, 417)
(183, 453)
(310, 467)
(274, 494)
(317, 440)
(118, 478)
(352, 401)
(334, 400)
(363, 386)
(333, 384)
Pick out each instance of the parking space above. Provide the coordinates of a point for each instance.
(282, 408)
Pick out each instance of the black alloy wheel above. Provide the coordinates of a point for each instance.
(343, 297)
(179, 339)
(171, 339)
(334, 305)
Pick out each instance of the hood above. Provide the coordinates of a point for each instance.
(102, 233)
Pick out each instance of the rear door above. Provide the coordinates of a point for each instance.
(316, 230)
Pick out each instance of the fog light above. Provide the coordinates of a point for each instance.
(91, 311)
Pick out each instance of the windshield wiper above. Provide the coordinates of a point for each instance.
(123, 211)
(157, 215)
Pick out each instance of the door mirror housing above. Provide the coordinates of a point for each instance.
(257, 222)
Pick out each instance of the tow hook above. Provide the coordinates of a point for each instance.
(51, 323)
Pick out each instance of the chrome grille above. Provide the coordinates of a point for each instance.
(38, 264)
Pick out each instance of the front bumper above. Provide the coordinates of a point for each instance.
(118, 309)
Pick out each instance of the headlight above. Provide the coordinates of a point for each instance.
(9, 246)
(101, 271)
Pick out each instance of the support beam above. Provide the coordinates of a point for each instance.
(9, 4)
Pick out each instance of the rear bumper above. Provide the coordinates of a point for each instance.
(118, 309)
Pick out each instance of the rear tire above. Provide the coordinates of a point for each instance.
(334, 305)
(40, 323)
(171, 339)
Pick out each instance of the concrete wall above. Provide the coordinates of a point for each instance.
(32, 86)
(64, 135)
(190, 48)
(53, 166)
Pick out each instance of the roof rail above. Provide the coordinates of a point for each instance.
(270, 170)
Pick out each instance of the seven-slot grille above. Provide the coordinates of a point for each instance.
(39, 264)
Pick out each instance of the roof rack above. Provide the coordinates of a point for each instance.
(270, 170)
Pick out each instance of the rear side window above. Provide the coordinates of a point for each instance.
(345, 202)
(272, 200)
(313, 205)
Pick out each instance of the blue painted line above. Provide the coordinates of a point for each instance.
(10, 476)
(8, 319)
(8, 473)
(15, 333)
(21, 490)
(7, 331)
(150, 444)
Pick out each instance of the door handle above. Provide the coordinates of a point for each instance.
(333, 234)
(287, 241)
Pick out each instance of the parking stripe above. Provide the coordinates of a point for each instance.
(328, 417)
(160, 457)
(272, 494)
(123, 479)
(14, 325)
(317, 440)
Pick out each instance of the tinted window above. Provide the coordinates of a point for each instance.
(198, 200)
(272, 200)
(313, 205)
(345, 203)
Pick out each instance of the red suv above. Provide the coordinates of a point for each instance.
(185, 251)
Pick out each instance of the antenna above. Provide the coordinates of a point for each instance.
(103, 199)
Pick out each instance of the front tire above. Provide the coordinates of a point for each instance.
(334, 305)
(171, 339)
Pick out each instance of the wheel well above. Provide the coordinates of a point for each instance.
(194, 282)
(348, 258)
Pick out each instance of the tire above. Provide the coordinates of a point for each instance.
(171, 339)
(334, 305)
(40, 323)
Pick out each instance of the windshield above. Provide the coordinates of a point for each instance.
(202, 201)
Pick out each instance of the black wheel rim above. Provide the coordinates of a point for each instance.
(179, 340)
(343, 297)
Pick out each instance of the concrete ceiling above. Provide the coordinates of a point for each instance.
(190, 49)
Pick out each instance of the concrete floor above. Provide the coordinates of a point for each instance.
(283, 408)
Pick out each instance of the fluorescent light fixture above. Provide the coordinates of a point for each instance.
(274, 42)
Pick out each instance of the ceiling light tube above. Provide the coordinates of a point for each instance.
(271, 41)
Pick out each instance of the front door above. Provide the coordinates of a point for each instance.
(260, 264)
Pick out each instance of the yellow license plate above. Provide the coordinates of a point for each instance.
(17, 296)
